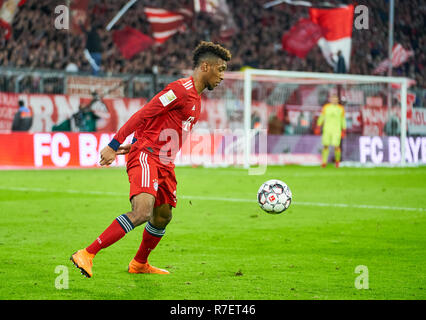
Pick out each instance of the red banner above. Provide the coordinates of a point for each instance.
(81, 150)
(84, 86)
(50, 110)
(8, 108)
(47, 150)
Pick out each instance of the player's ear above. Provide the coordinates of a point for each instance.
(204, 66)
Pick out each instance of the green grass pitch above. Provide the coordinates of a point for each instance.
(220, 245)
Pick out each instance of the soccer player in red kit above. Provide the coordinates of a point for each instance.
(159, 128)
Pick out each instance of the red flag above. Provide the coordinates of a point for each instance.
(399, 56)
(382, 67)
(79, 15)
(8, 10)
(221, 14)
(228, 27)
(164, 24)
(207, 6)
(336, 24)
(130, 41)
(301, 38)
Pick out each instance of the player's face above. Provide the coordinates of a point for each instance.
(215, 73)
(334, 99)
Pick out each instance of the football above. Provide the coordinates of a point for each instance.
(274, 196)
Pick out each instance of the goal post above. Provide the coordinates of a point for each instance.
(252, 75)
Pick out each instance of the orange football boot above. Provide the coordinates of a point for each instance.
(137, 267)
(84, 261)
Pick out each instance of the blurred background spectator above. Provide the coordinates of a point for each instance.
(23, 119)
(257, 44)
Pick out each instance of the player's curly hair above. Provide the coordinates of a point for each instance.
(207, 50)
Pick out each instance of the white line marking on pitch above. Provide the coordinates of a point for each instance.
(225, 199)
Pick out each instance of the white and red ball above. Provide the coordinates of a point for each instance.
(274, 196)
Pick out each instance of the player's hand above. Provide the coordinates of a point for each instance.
(124, 149)
(343, 134)
(317, 130)
(107, 156)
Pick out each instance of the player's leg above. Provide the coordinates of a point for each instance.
(154, 230)
(142, 207)
(324, 155)
(142, 195)
(337, 155)
(325, 150)
(152, 234)
(155, 227)
(142, 198)
(337, 151)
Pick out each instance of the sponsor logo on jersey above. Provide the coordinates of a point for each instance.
(168, 97)
(186, 125)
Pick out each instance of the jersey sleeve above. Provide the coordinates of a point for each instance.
(172, 97)
(343, 119)
(320, 120)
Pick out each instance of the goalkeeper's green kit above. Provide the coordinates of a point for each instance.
(333, 120)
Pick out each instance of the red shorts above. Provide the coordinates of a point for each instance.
(147, 174)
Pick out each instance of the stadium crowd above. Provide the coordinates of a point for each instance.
(36, 43)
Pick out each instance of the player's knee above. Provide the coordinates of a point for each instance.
(142, 209)
(162, 215)
(140, 216)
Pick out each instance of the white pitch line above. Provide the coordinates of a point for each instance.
(225, 199)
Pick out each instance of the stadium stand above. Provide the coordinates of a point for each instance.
(36, 44)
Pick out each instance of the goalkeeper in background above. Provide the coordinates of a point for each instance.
(333, 120)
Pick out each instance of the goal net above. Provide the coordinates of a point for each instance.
(277, 112)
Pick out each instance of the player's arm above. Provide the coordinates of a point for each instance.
(124, 149)
(320, 121)
(165, 100)
(321, 118)
(343, 119)
(343, 123)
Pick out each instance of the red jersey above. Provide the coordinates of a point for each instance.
(162, 124)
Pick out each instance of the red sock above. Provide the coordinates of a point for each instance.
(117, 229)
(151, 237)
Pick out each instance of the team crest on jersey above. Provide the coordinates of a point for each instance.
(168, 97)
(155, 184)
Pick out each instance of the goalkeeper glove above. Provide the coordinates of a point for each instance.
(317, 130)
(343, 133)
